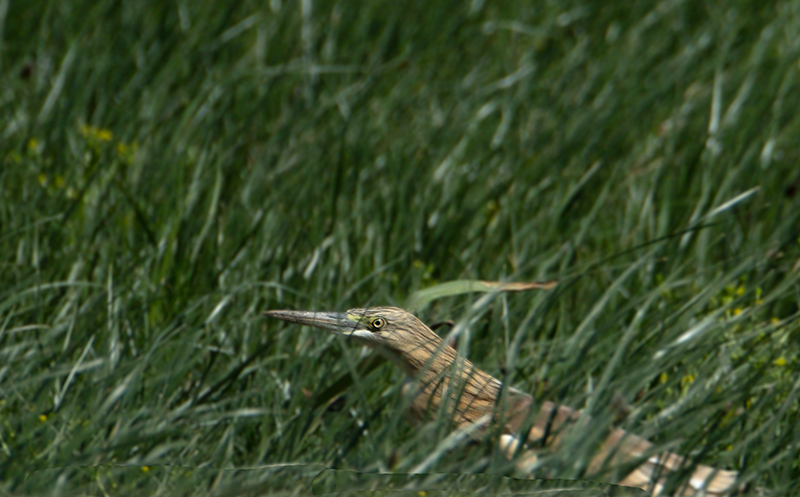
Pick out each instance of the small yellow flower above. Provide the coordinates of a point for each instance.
(737, 311)
(145, 469)
(730, 447)
(663, 378)
(687, 380)
(126, 151)
(740, 290)
(775, 320)
(43, 417)
(33, 144)
(422, 493)
(92, 132)
(780, 362)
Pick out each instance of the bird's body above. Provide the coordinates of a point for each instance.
(470, 397)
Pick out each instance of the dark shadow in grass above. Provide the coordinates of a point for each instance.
(308, 479)
(340, 483)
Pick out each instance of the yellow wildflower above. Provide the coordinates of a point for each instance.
(93, 132)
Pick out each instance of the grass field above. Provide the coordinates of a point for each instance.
(169, 170)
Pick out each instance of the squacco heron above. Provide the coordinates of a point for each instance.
(471, 398)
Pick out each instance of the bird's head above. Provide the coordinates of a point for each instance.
(402, 337)
(374, 326)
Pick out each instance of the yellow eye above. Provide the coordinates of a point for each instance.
(378, 323)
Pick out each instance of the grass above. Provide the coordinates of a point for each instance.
(170, 170)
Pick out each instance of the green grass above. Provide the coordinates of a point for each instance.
(171, 169)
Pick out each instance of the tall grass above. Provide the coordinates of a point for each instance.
(171, 169)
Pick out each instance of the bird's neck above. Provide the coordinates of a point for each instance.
(443, 375)
(399, 360)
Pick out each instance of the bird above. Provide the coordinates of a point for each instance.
(446, 382)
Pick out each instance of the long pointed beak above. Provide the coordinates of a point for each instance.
(333, 321)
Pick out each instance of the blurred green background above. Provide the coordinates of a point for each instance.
(171, 169)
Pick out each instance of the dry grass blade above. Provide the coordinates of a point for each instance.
(421, 298)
